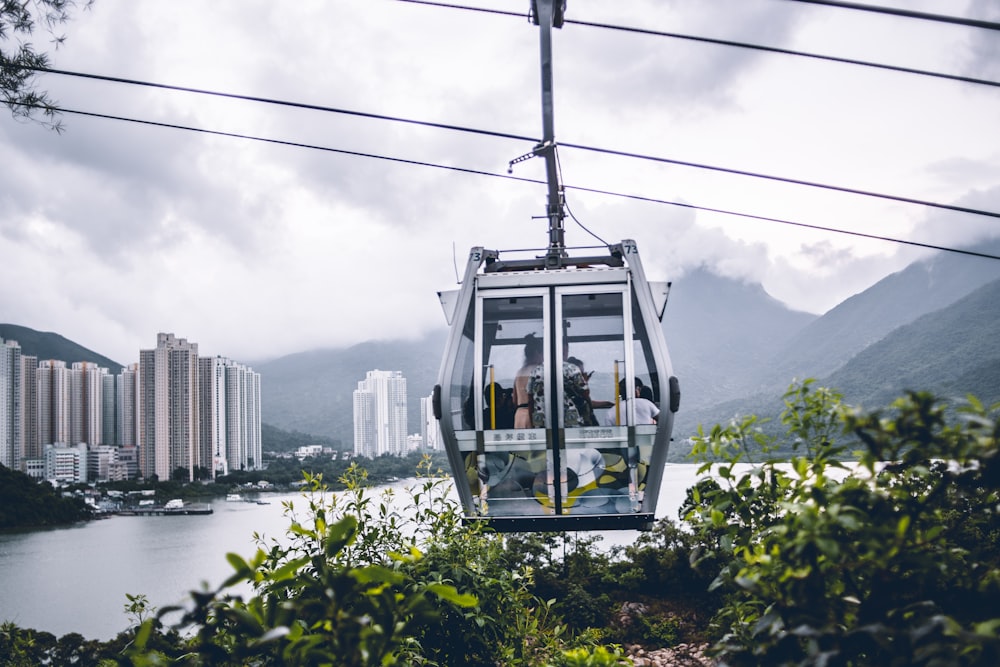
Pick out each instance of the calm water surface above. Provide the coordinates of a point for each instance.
(75, 579)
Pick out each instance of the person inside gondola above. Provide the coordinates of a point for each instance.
(523, 400)
(577, 409)
(504, 413)
(646, 411)
(585, 404)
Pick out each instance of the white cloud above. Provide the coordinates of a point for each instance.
(115, 231)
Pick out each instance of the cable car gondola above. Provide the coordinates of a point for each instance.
(552, 370)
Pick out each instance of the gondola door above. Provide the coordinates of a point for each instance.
(554, 427)
(596, 462)
(514, 457)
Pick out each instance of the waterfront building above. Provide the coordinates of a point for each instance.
(169, 408)
(127, 411)
(126, 466)
(66, 464)
(380, 414)
(31, 444)
(10, 404)
(100, 461)
(86, 408)
(53, 385)
(109, 409)
(230, 415)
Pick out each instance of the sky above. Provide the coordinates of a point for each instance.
(113, 231)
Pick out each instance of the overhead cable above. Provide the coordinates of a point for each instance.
(479, 172)
(906, 13)
(278, 102)
(784, 179)
(505, 135)
(730, 43)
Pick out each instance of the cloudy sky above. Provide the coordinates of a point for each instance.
(113, 231)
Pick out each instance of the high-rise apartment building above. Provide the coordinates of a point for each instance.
(169, 408)
(127, 411)
(10, 404)
(86, 396)
(380, 414)
(230, 415)
(31, 444)
(53, 383)
(109, 409)
(430, 427)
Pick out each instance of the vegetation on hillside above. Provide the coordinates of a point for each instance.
(26, 503)
(48, 345)
(893, 560)
(274, 439)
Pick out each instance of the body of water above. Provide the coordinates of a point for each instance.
(75, 579)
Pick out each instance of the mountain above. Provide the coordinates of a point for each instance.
(48, 345)
(866, 318)
(734, 348)
(951, 352)
(721, 332)
(312, 392)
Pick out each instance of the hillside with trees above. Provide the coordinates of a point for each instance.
(26, 503)
(49, 345)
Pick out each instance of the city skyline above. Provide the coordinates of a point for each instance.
(172, 410)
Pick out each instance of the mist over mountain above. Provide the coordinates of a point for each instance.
(721, 332)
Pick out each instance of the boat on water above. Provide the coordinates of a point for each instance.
(175, 504)
(234, 498)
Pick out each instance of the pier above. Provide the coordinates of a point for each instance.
(193, 509)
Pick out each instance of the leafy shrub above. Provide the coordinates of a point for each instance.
(893, 561)
(359, 581)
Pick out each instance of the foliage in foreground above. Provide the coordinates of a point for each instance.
(363, 580)
(894, 561)
(19, 60)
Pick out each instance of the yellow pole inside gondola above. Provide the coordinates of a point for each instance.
(618, 413)
(493, 401)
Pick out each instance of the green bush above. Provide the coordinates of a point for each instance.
(891, 561)
(358, 582)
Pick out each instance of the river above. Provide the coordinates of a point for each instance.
(75, 579)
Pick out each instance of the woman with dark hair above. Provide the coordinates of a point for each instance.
(534, 355)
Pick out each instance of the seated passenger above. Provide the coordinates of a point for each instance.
(504, 414)
(646, 411)
(522, 398)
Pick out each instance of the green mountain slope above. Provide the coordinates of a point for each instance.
(864, 319)
(952, 352)
(48, 345)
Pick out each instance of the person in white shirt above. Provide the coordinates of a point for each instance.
(646, 411)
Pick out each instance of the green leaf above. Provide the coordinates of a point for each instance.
(288, 570)
(451, 594)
